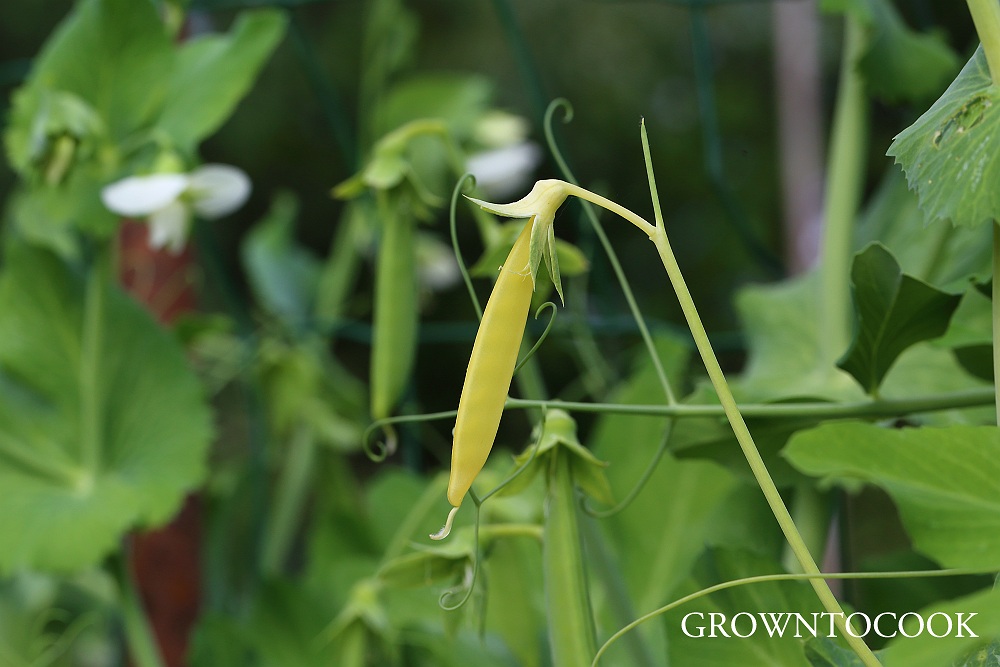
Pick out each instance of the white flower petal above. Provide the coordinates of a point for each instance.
(437, 268)
(503, 171)
(168, 227)
(142, 195)
(218, 189)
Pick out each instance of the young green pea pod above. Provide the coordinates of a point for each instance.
(395, 320)
(491, 368)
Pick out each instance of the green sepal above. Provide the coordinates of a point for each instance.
(559, 430)
(561, 257)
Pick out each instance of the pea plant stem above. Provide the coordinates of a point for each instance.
(760, 473)
(845, 176)
(289, 500)
(757, 467)
(138, 633)
(986, 16)
(567, 599)
(996, 316)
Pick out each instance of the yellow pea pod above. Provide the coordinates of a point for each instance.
(491, 368)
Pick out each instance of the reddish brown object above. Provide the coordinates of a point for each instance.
(158, 279)
(165, 562)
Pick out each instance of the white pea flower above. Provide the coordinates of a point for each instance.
(168, 200)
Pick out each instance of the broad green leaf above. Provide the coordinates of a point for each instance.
(954, 650)
(103, 427)
(893, 311)
(785, 359)
(949, 154)
(945, 481)
(113, 54)
(981, 657)
(458, 99)
(826, 652)
(938, 253)
(969, 335)
(283, 274)
(898, 64)
(212, 73)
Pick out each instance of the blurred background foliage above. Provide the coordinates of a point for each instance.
(302, 129)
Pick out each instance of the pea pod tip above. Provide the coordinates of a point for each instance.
(446, 528)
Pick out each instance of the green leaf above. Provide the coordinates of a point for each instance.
(785, 361)
(945, 481)
(113, 54)
(958, 651)
(459, 99)
(893, 312)
(901, 65)
(826, 652)
(950, 153)
(939, 253)
(283, 274)
(103, 427)
(969, 334)
(213, 72)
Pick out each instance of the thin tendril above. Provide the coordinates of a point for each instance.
(906, 574)
(552, 318)
(378, 452)
(478, 502)
(639, 485)
(588, 209)
(460, 186)
(534, 452)
(442, 601)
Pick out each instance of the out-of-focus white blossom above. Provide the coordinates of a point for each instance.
(167, 201)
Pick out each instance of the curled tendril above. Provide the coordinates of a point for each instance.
(469, 585)
(545, 333)
(379, 451)
(550, 139)
(639, 485)
(464, 184)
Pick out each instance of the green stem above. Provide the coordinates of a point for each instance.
(996, 316)
(142, 645)
(91, 392)
(845, 177)
(986, 16)
(567, 599)
(869, 409)
(289, 499)
(811, 510)
(750, 451)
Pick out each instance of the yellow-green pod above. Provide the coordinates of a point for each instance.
(491, 367)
